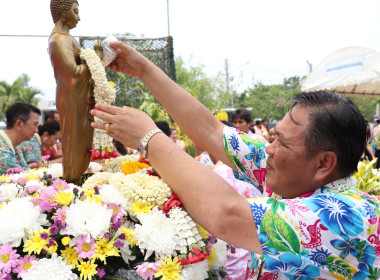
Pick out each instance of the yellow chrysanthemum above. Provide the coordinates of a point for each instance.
(52, 249)
(89, 192)
(32, 176)
(87, 269)
(35, 243)
(105, 248)
(212, 257)
(131, 167)
(71, 256)
(66, 240)
(129, 235)
(170, 269)
(1, 205)
(139, 207)
(203, 233)
(112, 84)
(4, 178)
(64, 198)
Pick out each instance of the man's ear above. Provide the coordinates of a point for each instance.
(326, 164)
(18, 124)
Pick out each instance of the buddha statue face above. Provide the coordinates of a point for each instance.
(65, 10)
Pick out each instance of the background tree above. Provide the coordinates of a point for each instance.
(18, 91)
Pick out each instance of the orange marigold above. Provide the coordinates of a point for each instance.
(131, 167)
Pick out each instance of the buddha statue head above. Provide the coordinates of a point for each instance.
(58, 7)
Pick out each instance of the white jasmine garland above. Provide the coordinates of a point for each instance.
(103, 93)
(87, 218)
(114, 164)
(18, 219)
(97, 179)
(53, 268)
(195, 271)
(147, 189)
(187, 230)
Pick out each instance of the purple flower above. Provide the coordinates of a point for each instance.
(101, 273)
(119, 244)
(44, 235)
(107, 235)
(53, 229)
(122, 236)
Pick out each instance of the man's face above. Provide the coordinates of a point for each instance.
(290, 171)
(242, 124)
(56, 117)
(30, 126)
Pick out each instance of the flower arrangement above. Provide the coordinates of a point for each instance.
(125, 217)
(104, 92)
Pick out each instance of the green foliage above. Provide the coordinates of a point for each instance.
(19, 91)
(368, 178)
(208, 90)
(366, 105)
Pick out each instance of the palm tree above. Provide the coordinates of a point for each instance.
(18, 91)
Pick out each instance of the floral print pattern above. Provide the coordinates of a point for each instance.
(333, 233)
(10, 157)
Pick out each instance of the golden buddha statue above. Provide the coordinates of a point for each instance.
(74, 93)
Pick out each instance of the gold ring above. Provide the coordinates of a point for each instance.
(107, 127)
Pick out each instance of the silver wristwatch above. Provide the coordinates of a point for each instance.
(142, 147)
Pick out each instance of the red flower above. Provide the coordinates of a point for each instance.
(173, 202)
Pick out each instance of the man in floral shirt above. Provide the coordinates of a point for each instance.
(312, 222)
(22, 123)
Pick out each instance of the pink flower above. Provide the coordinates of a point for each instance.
(117, 212)
(32, 188)
(85, 249)
(60, 185)
(60, 216)
(147, 270)
(8, 258)
(24, 264)
(47, 197)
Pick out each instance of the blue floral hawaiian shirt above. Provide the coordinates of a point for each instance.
(333, 233)
(31, 149)
(10, 157)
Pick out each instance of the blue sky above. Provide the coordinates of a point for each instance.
(262, 40)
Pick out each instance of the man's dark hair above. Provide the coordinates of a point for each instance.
(164, 126)
(242, 113)
(50, 115)
(51, 127)
(19, 111)
(336, 124)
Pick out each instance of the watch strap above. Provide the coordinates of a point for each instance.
(143, 143)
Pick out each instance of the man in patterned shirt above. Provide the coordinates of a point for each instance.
(311, 222)
(22, 123)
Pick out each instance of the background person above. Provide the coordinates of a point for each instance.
(22, 124)
(242, 120)
(295, 225)
(174, 136)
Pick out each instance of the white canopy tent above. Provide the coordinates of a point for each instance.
(349, 71)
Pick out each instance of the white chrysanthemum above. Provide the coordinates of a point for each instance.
(156, 234)
(186, 228)
(18, 219)
(110, 194)
(94, 167)
(97, 179)
(114, 164)
(147, 189)
(35, 183)
(126, 252)
(8, 192)
(53, 268)
(55, 170)
(195, 271)
(87, 218)
(221, 253)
